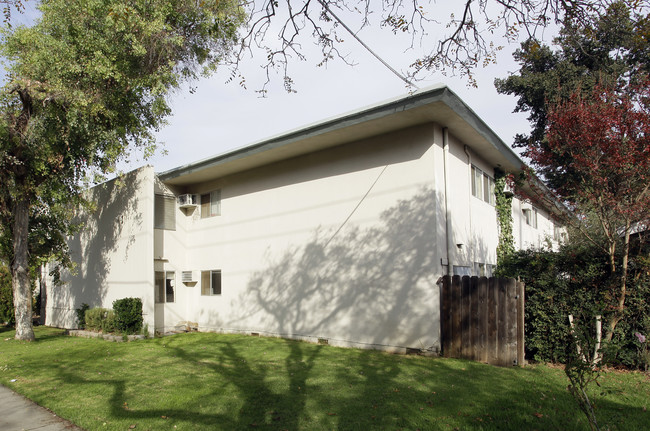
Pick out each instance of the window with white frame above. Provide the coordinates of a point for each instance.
(165, 286)
(483, 269)
(164, 214)
(462, 270)
(211, 204)
(211, 282)
(530, 216)
(482, 186)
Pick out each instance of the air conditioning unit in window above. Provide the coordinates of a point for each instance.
(188, 201)
(190, 276)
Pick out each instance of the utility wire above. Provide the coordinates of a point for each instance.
(399, 75)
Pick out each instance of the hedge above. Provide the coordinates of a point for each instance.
(576, 280)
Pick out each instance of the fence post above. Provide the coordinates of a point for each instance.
(445, 314)
(521, 352)
(456, 322)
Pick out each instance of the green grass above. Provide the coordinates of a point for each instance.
(227, 382)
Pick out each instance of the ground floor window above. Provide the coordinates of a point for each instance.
(211, 282)
(483, 269)
(165, 286)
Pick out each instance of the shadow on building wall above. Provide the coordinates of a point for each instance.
(371, 285)
(109, 231)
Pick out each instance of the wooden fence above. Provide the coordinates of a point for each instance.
(483, 319)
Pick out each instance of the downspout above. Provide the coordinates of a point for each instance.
(448, 224)
(471, 251)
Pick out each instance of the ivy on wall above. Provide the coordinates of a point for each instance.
(506, 244)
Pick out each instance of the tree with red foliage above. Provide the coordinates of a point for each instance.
(596, 159)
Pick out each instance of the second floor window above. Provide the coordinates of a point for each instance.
(164, 212)
(211, 204)
(530, 216)
(482, 186)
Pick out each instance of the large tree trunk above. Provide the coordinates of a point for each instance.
(20, 270)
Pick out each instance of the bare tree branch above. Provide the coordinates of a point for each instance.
(278, 26)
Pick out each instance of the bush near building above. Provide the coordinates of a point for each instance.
(576, 281)
(128, 315)
(6, 297)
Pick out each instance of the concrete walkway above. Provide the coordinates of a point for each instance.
(17, 413)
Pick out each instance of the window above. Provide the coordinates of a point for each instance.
(165, 286)
(530, 215)
(482, 186)
(558, 235)
(211, 204)
(483, 269)
(164, 212)
(211, 283)
(476, 182)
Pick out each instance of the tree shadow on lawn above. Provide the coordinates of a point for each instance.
(320, 387)
(266, 400)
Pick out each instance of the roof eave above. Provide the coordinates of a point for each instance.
(437, 104)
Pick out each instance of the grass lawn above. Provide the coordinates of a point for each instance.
(227, 382)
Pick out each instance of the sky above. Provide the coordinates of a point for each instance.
(217, 117)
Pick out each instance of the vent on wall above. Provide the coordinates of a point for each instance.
(188, 201)
(190, 276)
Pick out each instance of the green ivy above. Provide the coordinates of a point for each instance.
(506, 244)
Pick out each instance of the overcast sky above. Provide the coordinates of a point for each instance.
(218, 116)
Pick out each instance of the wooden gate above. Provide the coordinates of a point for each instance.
(483, 319)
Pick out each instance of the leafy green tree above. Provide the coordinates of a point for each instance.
(87, 83)
(612, 48)
(589, 115)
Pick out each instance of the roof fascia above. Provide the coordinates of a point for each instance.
(502, 155)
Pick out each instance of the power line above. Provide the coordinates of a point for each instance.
(399, 75)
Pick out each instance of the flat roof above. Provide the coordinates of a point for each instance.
(436, 104)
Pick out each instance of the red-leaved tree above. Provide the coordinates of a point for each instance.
(596, 158)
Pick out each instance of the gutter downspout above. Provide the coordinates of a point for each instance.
(471, 250)
(448, 224)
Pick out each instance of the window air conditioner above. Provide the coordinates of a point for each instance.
(190, 276)
(188, 201)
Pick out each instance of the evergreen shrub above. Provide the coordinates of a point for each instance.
(128, 315)
(6, 297)
(81, 315)
(576, 280)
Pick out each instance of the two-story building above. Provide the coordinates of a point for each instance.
(337, 231)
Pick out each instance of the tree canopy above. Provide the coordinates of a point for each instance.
(467, 35)
(590, 141)
(612, 48)
(87, 83)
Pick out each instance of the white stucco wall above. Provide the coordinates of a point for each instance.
(113, 252)
(340, 244)
(345, 244)
(527, 236)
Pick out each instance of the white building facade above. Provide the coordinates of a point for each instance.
(338, 231)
